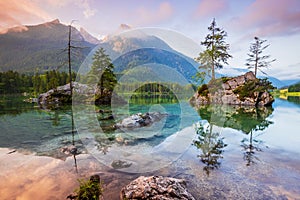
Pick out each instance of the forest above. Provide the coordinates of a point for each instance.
(12, 82)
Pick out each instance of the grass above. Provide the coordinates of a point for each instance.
(284, 94)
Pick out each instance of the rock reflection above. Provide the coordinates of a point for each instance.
(249, 120)
(211, 145)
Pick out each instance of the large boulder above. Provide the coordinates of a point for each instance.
(241, 90)
(62, 94)
(139, 120)
(81, 93)
(156, 188)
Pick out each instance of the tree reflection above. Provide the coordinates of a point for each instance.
(249, 120)
(211, 145)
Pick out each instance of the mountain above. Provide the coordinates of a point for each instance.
(28, 48)
(88, 37)
(169, 61)
(232, 71)
(129, 50)
(41, 47)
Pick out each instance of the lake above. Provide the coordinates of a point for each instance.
(223, 152)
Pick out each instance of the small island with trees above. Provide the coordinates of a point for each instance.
(245, 90)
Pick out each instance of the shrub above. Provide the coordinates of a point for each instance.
(89, 189)
(203, 90)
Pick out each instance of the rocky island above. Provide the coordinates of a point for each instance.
(246, 90)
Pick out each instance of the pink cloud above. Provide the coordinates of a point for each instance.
(14, 12)
(209, 8)
(145, 16)
(269, 18)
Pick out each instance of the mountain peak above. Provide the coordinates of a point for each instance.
(123, 27)
(88, 37)
(56, 21)
(51, 23)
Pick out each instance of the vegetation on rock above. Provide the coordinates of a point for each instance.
(240, 90)
(253, 86)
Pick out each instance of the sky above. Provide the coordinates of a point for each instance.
(277, 21)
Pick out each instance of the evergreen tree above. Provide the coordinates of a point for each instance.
(256, 60)
(102, 68)
(216, 49)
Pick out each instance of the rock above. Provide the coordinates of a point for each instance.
(156, 188)
(81, 93)
(62, 94)
(69, 150)
(240, 80)
(225, 86)
(249, 76)
(120, 164)
(232, 92)
(140, 120)
(232, 83)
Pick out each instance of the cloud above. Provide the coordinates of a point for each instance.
(267, 18)
(146, 16)
(88, 11)
(85, 5)
(14, 12)
(287, 73)
(209, 8)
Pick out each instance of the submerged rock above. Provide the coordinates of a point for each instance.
(119, 164)
(69, 150)
(156, 188)
(140, 120)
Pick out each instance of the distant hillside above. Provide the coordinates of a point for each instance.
(232, 71)
(40, 47)
(294, 87)
(168, 59)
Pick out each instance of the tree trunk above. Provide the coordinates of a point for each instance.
(213, 72)
(101, 86)
(69, 61)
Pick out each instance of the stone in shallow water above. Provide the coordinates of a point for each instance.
(140, 120)
(119, 164)
(156, 188)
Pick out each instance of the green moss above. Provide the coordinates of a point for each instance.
(250, 87)
(246, 90)
(225, 79)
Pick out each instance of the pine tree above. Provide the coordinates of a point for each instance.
(102, 68)
(256, 60)
(216, 49)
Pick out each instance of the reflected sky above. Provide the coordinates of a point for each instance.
(284, 133)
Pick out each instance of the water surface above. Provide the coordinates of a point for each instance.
(224, 152)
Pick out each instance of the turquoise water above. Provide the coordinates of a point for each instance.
(217, 148)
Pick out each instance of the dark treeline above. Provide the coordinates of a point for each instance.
(156, 88)
(294, 88)
(12, 82)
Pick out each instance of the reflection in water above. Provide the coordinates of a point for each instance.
(73, 142)
(249, 120)
(153, 98)
(294, 99)
(211, 145)
(14, 105)
(250, 146)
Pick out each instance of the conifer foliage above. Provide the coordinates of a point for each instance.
(216, 53)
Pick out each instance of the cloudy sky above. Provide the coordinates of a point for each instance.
(278, 21)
